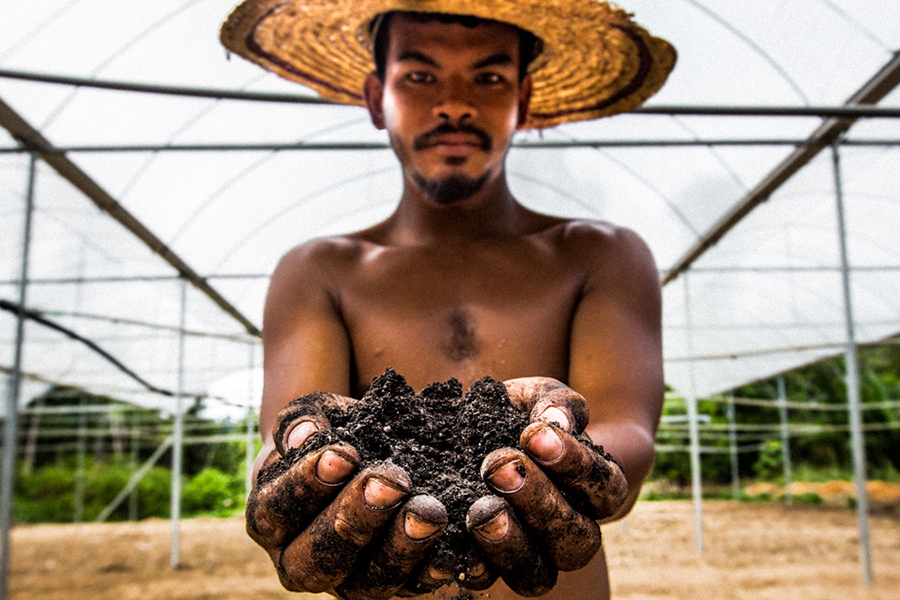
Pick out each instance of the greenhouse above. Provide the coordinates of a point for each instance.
(150, 182)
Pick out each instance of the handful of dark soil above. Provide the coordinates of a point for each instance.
(440, 437)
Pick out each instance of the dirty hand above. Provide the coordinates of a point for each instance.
(529, 531)
(316, 516)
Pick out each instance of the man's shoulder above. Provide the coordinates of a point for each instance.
(607, 251)
(596, 236)
(322, 258)
(326, 251)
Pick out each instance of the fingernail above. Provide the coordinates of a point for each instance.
(545, 444)
(300, 433)
(417, 529)
(438, 575)
(509, 477)
(476, 570)
(495, 528)
(334, 467)
(379, 494)
(557, 416)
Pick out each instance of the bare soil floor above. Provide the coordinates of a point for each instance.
(758, 551)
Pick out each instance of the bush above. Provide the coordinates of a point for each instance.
(654, 496)
(211, 491)
(770, 464)
(154, 492)
(809, 498)
(48, 494)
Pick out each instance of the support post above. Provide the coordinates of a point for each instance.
(133, 461)
(733, 450)
(853, 383)
(178, 436)
(691, 401)
(785, 441)
(11, 424)
(251, 424)
(80, 461)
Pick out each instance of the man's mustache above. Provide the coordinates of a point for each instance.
(428, 139)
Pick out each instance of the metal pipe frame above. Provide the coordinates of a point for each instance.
(178, 444)
(380, 146)
(31, 138)
(11, 424)
(857, 438)
(785, 440)
(693, 425)
(220, 94)
(136, 278)
(825, 135)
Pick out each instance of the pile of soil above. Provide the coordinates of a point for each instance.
(440, 437)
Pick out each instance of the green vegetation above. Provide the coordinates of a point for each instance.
(818, 454)
(60, 480)
(48, 494)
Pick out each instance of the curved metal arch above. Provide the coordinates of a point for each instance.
(731, 28)
(114, 56)
(212, 198)
(226, 256)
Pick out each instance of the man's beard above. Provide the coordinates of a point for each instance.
(454, 187)
(450, 189)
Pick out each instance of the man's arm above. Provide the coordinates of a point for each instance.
(299, 504)
(305, 344)
(299, 317)
(560, 487)
(616, 353)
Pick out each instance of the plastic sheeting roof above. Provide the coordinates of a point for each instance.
(766, 297)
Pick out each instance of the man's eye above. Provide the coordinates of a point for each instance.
(490, 78)
(420, 77)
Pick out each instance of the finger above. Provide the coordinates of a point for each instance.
(478, 576)
(570, 538)
(288, 496)
(323, 554)
(550, 400)
(593, 481)
(442, 568)
(510, 553)
(413, 530)
(302, 417)
(525, 391)
(428, 578)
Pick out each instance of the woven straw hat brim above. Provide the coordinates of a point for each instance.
(596, 60)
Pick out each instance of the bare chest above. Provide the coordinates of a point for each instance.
(432, 316)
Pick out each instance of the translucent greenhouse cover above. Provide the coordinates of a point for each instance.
(108, 305)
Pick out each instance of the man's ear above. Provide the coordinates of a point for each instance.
(524, 101)
(373, 90)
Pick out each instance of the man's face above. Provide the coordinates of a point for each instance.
(451, 102)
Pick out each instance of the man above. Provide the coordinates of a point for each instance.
(460, 281)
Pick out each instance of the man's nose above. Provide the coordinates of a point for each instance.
(455, 104)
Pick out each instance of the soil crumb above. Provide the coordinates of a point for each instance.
(439, 436)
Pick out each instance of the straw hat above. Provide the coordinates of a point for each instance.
(595, 61)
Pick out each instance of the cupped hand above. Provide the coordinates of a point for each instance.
(330, 527)
(543, 518)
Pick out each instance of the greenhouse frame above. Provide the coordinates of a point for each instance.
(149, 183)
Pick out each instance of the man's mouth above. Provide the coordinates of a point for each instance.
(454, 140)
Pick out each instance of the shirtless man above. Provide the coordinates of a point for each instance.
(460, 281)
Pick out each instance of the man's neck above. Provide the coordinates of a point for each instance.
(490, 212)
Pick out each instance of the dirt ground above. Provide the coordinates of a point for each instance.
(759, 551)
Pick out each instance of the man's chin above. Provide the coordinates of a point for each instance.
(452, 188)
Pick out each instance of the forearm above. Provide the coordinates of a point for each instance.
(631, 445)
